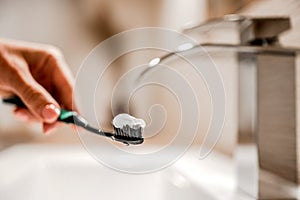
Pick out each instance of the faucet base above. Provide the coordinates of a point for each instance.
(267, 152)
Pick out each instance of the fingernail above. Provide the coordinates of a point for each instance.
(50, 113)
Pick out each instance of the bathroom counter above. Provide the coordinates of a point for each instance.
(48, 171)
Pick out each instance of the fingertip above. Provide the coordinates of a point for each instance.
(24, 115)
(48, 128)
(21, 116)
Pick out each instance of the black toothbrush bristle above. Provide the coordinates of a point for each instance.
(129, 135)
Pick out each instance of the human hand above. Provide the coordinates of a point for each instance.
(39, 75)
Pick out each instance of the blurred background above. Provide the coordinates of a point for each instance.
(77, 26)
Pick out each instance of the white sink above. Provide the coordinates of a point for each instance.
(39, 171)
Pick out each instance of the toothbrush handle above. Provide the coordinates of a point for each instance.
(66, 116)
(15, 100)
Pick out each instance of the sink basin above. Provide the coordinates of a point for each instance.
(40, 171)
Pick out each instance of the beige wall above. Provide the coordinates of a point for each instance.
(76, 28)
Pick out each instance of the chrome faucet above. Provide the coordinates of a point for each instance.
(268, 143)
(267, 152)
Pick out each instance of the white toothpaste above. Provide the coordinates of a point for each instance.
(124, 119)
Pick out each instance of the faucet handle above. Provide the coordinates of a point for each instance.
(251, 30)
(264, 29)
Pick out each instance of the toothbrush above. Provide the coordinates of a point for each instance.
(125, 133)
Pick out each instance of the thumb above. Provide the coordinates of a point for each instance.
(38, 101)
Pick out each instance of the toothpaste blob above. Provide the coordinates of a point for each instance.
(122, 120)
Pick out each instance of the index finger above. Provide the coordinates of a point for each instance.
(50, 69)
